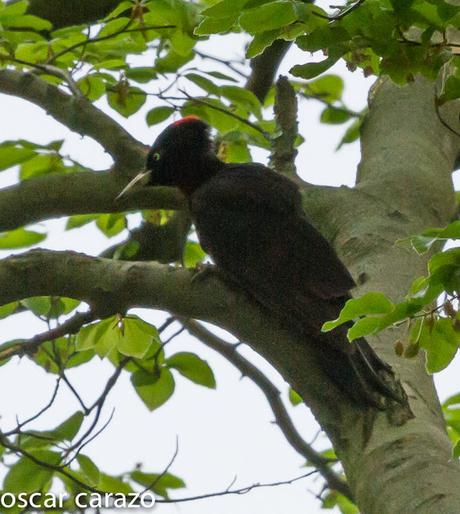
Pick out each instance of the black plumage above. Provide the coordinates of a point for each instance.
(249, 219)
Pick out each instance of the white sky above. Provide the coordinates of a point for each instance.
(221, 433)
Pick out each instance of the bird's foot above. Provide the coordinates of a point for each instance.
(202, 272)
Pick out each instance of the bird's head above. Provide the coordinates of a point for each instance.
(178, 157)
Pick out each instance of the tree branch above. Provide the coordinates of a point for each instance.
(78, 114)
(114, 286)
(77, 193)
(264, 68)
(272, 394)
(70, 326)
(284, 151)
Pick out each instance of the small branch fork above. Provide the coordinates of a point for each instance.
(71, 326)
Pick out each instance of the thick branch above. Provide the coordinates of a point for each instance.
(76, 193)
(114, 286)
(78, 114)
(58, 195)
(264, 68)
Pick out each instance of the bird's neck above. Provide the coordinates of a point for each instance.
(199, 172)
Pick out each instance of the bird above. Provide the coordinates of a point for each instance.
(250, 221)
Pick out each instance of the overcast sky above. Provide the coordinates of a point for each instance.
(223, 433)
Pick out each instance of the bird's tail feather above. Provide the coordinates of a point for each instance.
(362, 375)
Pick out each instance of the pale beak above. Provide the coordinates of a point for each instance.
(140, 179)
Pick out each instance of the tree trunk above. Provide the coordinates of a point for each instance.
(404, 186)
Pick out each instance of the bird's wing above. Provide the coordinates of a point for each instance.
(250, 222)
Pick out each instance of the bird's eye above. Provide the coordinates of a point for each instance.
(156, 156)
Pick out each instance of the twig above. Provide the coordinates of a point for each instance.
(94, 436)
(75, 392)
(228, 63)
(167, 468)
(77, 114)
(123, 30)
(242, 490)
(170, 320)
(217, 108)
(99, 403)
(17, 430)
(341, 14)
(71, 326)
(272, 395)
(50, 70)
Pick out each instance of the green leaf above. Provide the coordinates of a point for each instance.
(119, 9)
(89, 336)
(224, 8)
(370, 303)
(215, 25)
(313, 69)
(8, 309)
(335, 115)
(181, 42)
(13, 9)
(424, 241)
(136, 338)
(131, 336)
(111, 224)
(352, 133)
(268, 16)
(127, 103)
(440, 343)
(79, 220)
(52, 355)
(109, 64)
(26, 476)
(193, 254)
(456, 450)
(127, 251)
(11, 155)
(20, 238)
(50, 306)
(70, 427)
(153, 389)
(451, 90)
(41, 165)
(111, 484)
(162, 482)
(27, 21)
(204, 83)
(261, 41)
(452, 400)
(158, 114)
(364, 327)
(327, 87)
(92, 86)
(192, 367)
(242, 97)
(89, 469)
(142, 74)
(234, 150)
(294, 397)
(114, 26)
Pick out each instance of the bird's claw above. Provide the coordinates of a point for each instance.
(203, 271)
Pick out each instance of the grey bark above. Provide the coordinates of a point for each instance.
(404, 186)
